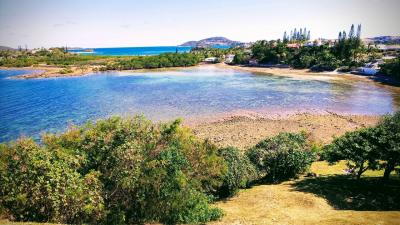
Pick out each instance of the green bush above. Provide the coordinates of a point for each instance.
(65, 70)
(156, 61)
(391, 68)
(282, 157)
(241, 172)
(358, 148)
(41, 185)
(241, 58)
(114, 171)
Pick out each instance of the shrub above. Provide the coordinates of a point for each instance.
(391, 68)
(114, 171)
(282, 157)
(359, 148)
(241, 58)
(240, 172)
(65, 70)
(41, 185)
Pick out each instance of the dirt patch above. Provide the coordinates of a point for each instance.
(244, 132)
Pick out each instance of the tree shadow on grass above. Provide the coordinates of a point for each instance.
(346, 193)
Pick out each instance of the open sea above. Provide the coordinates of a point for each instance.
(130, 51)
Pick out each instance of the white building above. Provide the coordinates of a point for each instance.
(229, 58)
(211, 60)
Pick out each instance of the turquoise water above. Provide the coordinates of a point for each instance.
(129, 51)
(126, 51)
(29, 107)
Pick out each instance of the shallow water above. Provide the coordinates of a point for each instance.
(29, 107)
(129, 51)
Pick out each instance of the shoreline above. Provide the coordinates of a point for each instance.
(306, 74)
(44, 71)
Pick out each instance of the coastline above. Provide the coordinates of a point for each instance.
(44, 71)
(306, 74)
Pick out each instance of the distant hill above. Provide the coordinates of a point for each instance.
(212, 41)
(389, 40)
(2, 48)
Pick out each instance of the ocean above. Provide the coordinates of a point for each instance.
(128, 51)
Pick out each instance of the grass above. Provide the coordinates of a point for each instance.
(330, 198)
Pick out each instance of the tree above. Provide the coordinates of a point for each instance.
(388, 132)
(351, 33)
(285, 39)
(295, 34)
(358, 148)
(300, 36)
(359, 31)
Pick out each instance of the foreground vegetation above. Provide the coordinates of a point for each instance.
(133, 171)
(129, 171)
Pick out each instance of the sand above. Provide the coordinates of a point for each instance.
(245, 131)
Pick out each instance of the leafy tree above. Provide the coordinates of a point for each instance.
(388, 132)
(358, 148)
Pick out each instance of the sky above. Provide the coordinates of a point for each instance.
(119, 23)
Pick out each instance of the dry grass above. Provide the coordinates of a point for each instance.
(319, 200)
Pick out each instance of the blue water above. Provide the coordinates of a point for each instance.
(130, 51)
(29, 107)
(126, 51)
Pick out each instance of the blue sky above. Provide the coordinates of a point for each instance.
(100, 23)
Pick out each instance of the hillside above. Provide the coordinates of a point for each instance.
(212, 41)
(390, 40)
(2, 48)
